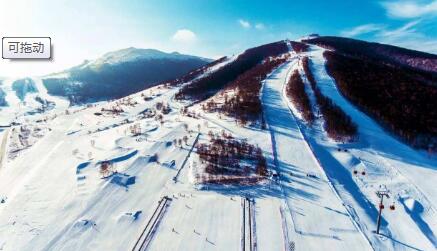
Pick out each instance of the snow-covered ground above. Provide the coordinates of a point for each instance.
(388, 165)
(54, 197)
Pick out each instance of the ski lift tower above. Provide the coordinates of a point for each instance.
(381, 194)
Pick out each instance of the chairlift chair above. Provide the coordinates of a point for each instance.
(392, 206)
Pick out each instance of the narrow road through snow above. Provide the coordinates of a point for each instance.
(319, 218)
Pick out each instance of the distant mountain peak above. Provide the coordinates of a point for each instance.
(133, 54)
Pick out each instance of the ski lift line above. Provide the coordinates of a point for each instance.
(154, 226)
(252, 226)
(151, 225)
(319, 164)
(243, 227)
(148, 223)
(248, 227)
(175, 178)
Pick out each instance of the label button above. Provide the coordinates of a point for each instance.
(26, 48)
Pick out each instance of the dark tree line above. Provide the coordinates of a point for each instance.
(395, 97)
(194, 73)
(245, 104)
(209, 85)
(225, 155)
(422, 63)
(309, 73)
(299, 47)
(338, 125)
(295, 90)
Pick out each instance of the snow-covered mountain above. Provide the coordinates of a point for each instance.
(135, 54)
(120, 73)
(271, 149)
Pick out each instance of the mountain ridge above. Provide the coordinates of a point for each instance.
(120, 73)
(415, 59)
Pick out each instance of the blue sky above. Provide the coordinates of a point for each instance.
(211, 28)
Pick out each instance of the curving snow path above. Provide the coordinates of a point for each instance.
(389, 163)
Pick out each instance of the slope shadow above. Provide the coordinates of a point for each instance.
(402, 243)
(415, 213)
(336, 171)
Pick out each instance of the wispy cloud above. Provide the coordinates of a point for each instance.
(362, 29)
(412, 34)
(408, 35)
(260, 26)
(408, 29)
(410, 9)
(185, 36)
(244, 23)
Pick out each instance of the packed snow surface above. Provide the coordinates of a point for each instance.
(56, 195)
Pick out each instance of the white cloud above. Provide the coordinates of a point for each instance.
(248, 25)
(184, 36)
(410, 9)
(362, 29)
(260, 26)
(244, 23)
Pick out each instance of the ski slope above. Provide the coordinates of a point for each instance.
(55, 197)
(377, 153)
(310, 200)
